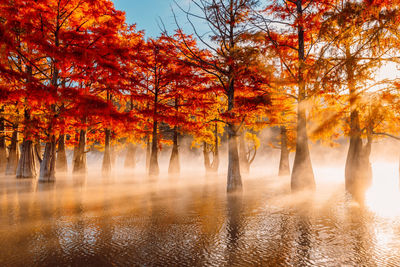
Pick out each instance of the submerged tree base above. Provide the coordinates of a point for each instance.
(234, 185)
(302, 180)
(302, 175)
(27, 162)
(358, 171)
(13, 155)
(174, 164)
(61, 162)
(130, 160)
(47, 166)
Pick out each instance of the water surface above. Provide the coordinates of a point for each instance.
(189, 221)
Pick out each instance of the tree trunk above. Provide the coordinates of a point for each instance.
(130, 159)
(47, 167)
(80, 165)
(61, 163)
(154, 169)
(234, 177)
(302, 175)
(244, 163)
(206, 155)
(174, 165)
(284, 167)
(113, 154)
(215, 162)
(148, 152)
(38, 150)
(13, 154)
(353, 155)
(3, 147)
(358, 172)
(367, 168)
(106, 169)
(27, 162)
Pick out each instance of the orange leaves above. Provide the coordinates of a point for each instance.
(62, 53)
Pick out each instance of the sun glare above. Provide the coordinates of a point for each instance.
(383, 197)
(387, 72)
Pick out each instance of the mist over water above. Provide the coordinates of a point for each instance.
(130, 219)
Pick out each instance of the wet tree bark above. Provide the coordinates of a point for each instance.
(174, 165)
(80, 165)
(302, 175)
(154, 169)
(47, 167)
(3, 147)
(61, 162)
(284, 168)
(130, 159)
(13, 154)
(106, 168)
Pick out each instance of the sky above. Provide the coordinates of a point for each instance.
(146, 14)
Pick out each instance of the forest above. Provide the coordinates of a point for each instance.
(74, 75)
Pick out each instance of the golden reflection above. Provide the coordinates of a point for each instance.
(129, 221)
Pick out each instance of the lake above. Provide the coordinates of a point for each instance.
(132, 220)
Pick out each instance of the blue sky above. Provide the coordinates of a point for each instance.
(146, 14)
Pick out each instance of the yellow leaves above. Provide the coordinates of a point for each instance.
(252, 138)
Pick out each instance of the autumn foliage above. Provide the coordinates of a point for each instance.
(75, 76)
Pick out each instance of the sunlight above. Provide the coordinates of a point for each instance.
(383, 196)
(387, 72)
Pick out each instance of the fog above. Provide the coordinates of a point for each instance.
(131, 218)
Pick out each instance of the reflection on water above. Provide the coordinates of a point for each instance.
(129, 221)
